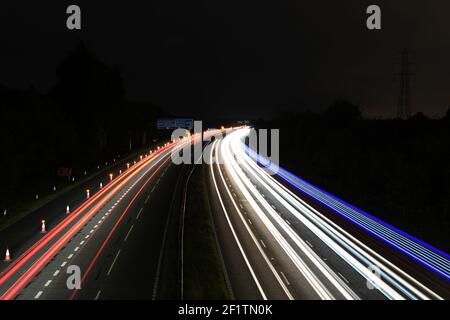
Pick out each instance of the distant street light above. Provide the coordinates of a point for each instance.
(88, 194)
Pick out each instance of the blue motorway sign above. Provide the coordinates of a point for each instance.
(165, 124)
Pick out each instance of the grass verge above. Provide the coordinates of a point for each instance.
(204, 274)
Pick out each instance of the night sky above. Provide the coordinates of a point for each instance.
(240, 59)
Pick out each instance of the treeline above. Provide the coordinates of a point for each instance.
(83, 120)
(398, 171)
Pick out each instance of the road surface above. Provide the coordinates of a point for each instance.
(278, 246)
(115, 238)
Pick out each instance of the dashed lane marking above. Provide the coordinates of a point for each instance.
(128, 234)
(114, 262)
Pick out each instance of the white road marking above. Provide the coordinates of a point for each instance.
(70, 256)
(48, 283)
(87, 236)
(38, 295)
(112, 265)
(263, 244)
(56, 273)
(76, 249)
(98, 295)
(285, 279)
(146, 200)
(345, 279)
(129, 231)
(64, 264)
(139, 214)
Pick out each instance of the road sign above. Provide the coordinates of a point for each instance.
(166, 124)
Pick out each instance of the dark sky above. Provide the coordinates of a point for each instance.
(240, 58)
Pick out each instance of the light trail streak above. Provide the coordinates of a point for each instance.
(351, 250)
(431, 257)
(41, 261)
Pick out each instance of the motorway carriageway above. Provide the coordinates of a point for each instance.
(283, 248)
(40, 272)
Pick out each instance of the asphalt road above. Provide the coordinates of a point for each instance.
(115, 239)
(277, 247)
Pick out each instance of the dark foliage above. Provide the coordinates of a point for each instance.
(84, 120)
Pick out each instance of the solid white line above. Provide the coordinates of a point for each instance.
(129, 231)
(234, 233)
(112, 265)
(255, 240)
